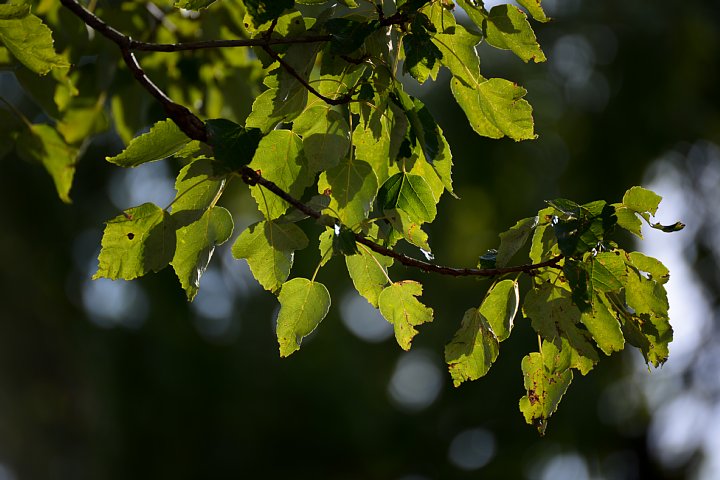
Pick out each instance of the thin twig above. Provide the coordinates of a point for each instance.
(251, 177)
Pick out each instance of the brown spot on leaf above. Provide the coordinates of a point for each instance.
(533, 397)
(327, 192)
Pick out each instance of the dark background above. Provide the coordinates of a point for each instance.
(126, 380)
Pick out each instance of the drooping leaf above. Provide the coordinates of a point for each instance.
(352, 186)
(28, 39)
(303, 305)
(410, 193)
(163, 139)
(368, 271)
(399, 305)
(197, 185)
(41, 143)
(507, 28)
(500, 307)
(269, 248)
(279, 158)
(514, 239)
(195, 245)
(603, 326)
(495, 108)
(547, 376)
(140, 240)
(325, 135)
(628, 220)
(459, 54)
(409, 229)
(535, 9)
(555, 318)
(472, 350)
(234, 145)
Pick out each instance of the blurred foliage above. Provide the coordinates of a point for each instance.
(164, 389)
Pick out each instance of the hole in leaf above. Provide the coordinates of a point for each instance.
(130, 235)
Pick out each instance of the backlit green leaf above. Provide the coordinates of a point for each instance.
(546, 376)
(603, 326)
(535, 9)
(500, 307)
(368, 271)
(514, 239)
(352, 186)
(507, 27)
(269, 248)
(555, 318)
(195, 245)
(263, 11)
(279, 159)
(28, 39)
(399, 305)
(140, 240)
(269, 109)
(197, 185)
(163, 140)
(410, 193)
(495, 108)
(41, 143)
(472, 350)
(303, 305)
(325, 136)
(653, 266)
(193, 4)
(641, 200)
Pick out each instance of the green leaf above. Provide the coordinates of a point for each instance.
(547, 378)
(535, 9)
(652, 266)
(269, 109)
(555, 318)
(303, 305)
(41, 143)
(628, 220)
(368, 271)
(163, 140)
(500, 307)
(352, 186)
(279, 159)
(28, 39)
(514, 239)
(422, 56)
(507, 27)
(603, 326)
(197, 185)
(193, 4)
(325, 136)
(410, 193)
(263, 11)
(139, 241)
(645, 323)
(269, 248)
(233, 144)
(472, 350)
(607, 272)
(459, 54)
(410, 230)
(641, 200)
(195, 245)
(399, 305)
(495, 108)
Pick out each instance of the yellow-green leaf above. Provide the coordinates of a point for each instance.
(399, 305)
(164, 139)
(472, 350)
(303, 305)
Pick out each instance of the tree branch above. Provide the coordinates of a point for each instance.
(251, 177)
(195, 129)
